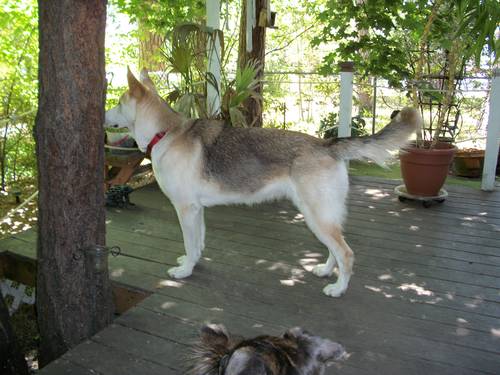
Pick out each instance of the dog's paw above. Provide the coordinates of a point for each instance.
(334, 290)
(322, 270)
(181, 272)
(182, 259)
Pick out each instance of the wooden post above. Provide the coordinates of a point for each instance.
(252, 47)
(345, 107)
(493, 134)
(214, 58)
(74, 299)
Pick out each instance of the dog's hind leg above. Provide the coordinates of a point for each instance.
(330, 234)
(191, 220)
(320, 193)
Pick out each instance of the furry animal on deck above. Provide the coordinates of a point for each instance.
(200, 163)
(296, 352)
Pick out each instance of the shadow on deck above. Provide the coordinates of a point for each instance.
(425, 296)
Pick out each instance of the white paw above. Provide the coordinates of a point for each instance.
(181, 272)
(334, 290)
(181, 259)
(322, 270)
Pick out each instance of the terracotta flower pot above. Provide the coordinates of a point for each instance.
(424, 170)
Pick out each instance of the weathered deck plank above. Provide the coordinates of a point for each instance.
(425, 297)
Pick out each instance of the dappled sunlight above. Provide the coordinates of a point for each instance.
(171, 283)
(475, 302)
(474, 218)
(376, 194)
(279, 266)
(382, 290)
(168, 305)
(419, 290)
(414, 228)
(292, 281)
(117, 272)
(142, 231)
(385, 277)
(495, 332)
(308, 263)
(298, 218)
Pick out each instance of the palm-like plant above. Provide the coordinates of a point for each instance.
(186, 54)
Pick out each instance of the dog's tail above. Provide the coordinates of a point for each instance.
(210, 354)
(377, 146)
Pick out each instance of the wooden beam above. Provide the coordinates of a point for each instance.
(345, 106)
(214, 58)
(493, 135)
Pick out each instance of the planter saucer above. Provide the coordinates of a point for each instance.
(403, 196)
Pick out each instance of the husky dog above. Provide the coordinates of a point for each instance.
(200, 163)
(294, 353)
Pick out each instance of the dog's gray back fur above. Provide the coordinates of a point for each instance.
(246, 159)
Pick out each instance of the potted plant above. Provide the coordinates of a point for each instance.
(446, 50)
(185, 55)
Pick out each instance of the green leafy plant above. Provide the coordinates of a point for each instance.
(186, 54)
(329, 126)
(424, 47)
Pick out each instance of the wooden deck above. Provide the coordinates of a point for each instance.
(424, 299)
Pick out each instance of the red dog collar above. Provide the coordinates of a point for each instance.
(157, 138)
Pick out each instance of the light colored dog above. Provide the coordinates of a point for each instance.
(201, 163)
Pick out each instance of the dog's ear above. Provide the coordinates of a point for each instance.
(293, 333)
(214, 335)
(136, 89)
(328, 350)
(146, 81)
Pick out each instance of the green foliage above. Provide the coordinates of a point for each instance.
(425, 46)
(18, 89)
(329, 126)
(237, 91)
(161, 16)
(186, 55)
(382, 37)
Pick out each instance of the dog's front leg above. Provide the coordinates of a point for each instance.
(201, 225)
(191, 220)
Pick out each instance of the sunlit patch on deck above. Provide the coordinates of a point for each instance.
(382, 290)
(376, 194)
(495, 332)
(168, 305)
(419, 290)
(171, 283)
(118, 272)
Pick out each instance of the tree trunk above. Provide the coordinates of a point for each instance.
(253, 107)
(12, 361)
(73, 300)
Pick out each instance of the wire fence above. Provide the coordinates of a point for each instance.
(301, 100)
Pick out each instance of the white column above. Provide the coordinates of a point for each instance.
(214, 58)
(345, 106)
(492, 135)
